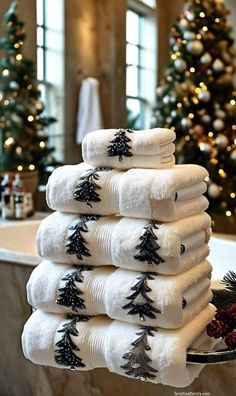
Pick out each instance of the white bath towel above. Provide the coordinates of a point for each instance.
(125, 242)
(161, 194)
(135, 297)
(125, 149)
(89, 112)
(84, 343)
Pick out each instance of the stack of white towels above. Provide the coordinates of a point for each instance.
(124, 283)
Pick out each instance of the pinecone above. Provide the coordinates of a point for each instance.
(215, 328)
(221, 315)
(232, 312)
(226, 328)
(225, 317)
(230, 340)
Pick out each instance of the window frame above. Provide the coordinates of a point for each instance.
(43, 46)
(142, 101)
(52, 94)
(144, 13)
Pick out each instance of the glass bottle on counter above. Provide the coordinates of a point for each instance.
(7, 198)
(18, 184)
(19, 198)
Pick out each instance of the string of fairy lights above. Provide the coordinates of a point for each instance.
(6, 99)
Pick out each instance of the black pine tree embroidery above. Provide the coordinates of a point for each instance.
(86, 189)
(70, 294)
(76, 243)
(65, 354)
(138, 365)
(148, 246)
(140, 304)
(119, 145)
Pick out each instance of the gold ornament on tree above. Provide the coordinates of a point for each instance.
(198, 130)
(218, 124)
(195, 47)
(213, 190)
(218, 65)
(221, 141)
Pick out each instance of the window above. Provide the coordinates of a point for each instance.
(50, 67)
(41, 40)
(140, 65)
(150, 3)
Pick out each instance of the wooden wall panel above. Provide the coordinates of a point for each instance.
(111, 60)
(95, 47)
(80, 60)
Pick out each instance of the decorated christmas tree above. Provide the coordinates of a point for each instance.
(197, 97)
(23, 140)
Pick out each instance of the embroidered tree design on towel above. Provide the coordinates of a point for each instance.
(76, 241)
(138, 361)
(66, 352)
(119, 145)
(148, 246)
(140, 304)
(85, 190)
(69, 295)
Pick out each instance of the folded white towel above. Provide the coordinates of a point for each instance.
(89, 112)
(164, 194)
(125, 242)
(125, 149)
(135, 297)
(84, 343)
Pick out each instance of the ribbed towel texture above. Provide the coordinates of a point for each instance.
(140, 298)
(158, 355)
(113, 240)
(125, 283)
(162, 194)
(125, 149)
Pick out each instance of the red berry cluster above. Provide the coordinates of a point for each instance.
(224, 325)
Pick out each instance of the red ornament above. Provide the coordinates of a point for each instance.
(214, 53)
(203, 69)
(230, 340)
(215, 328)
